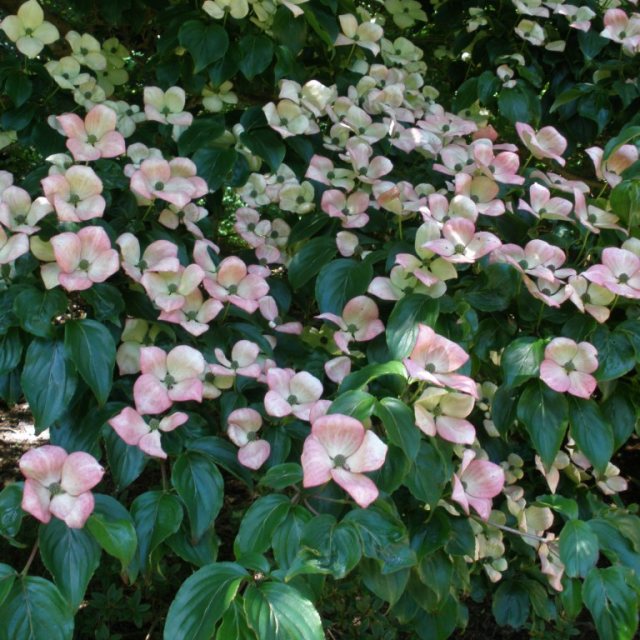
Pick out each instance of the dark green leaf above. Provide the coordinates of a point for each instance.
(223, 453)
(308, 261)
(282, 476)
(105, 300)
(511, 604)
(201, 487)
(7, 577)
(234, 624)
(11, 512)
(125, 461)
(370, 372)
(621, 415)
(205, 42)
(286, 539)
(592, 433)
(260, 521)
(71, 556)
(92, 349)
(18, 87)
(519, 104)
(280, 612)
(521, 360)
(266, 144)
(35, 309)
(388, 587)
(544, 412)
(257, 53)
(214, 165)
(48, 381)
(112, 527)
(615, 354)
(339, 281)
(402, 326)
(10, 351)
(399, 423)
(357, 404)
(578, 548)
(202, 600)
(35, 610)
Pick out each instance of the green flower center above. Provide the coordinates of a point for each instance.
(158, 186)
(91, 139)
(169, 381)
(292, 400)
(154, 424)
(83, 265)
(55, 489)
(340, 462)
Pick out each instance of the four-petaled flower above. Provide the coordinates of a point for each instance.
(567, 367)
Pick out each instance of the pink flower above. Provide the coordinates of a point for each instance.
(360, 322)
(291, 392)
(351, 210)
(546, 143)
(567, 367)
(619, 272)
(82, 259)
(167, 378)
(444, 412)
(160, 255)
(591, 297)
(76, 194)
(94, 138)
(58, 484)
(18, 213)
(133, 429)
(544, 206)
(157, 178)
(12, 247)
(476, 484)
(461, 243)
(168, 289)
(233, 283)
(341, 449)
(337, 369)
(434, 359)
(244, 356)
(366, 169)
(195, 314)
(242, 428)
(364, 35)
(269, 311)
(166, 106)
(610, 170)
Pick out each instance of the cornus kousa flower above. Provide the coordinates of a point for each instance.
(442, 412)
(167, 378)
(366, 169)
(289, 119)
(434, 359)
(592, 217)
(82, 259)
(29, 30)
(195, 314)
(66, 72)
(166, 106)
(157, 178)
(591, 297)
(168, 289)
(619, 272)
(19, 214)
(12, 247)
(461, 243)
(136, 334)
(351, 209)
(544, 206)
(341, 449)
(567, 367)
(59, 484)
(136, 432)
(476, 484)
(364, 35)
(76, 194)
(546, 143)
(219, 8)
(360, 322)
(242, 428)
(233, 283)
(86, 50)
(321, 169)
(160, 255)
(291, 393)
(611, 168)
(537, 258)
(269, 310)
(244, 356)
(95, 137)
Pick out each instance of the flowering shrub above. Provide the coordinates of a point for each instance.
(374, 266)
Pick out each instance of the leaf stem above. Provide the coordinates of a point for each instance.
(31, 558)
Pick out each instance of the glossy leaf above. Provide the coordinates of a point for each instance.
(402, 326)
(112, 527)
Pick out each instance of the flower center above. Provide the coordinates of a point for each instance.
(430, 367)
(91, 139)
(623, 278)
(169, 381)
(292, 399)
(55, 489)
(340, 461)
(142, 265)
(352, 329)
(251, 436)
(569, 366)
(233, 289)
(154, 424)
(172, 288)
(158, 186)
(459, 248)
(83, 265)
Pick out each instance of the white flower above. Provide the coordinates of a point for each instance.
(29, 30)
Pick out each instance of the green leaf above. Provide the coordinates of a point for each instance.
(205, 42)
(370, 372)
(402, 326)
(201, 487)
(11, 512)
(621, 414)
(565, 506)
(71, 556)
(626, 135)
(399, 423)
(35, 309)
(388, 587)
(92, 349)
(282, 476)
(307, 262)
(323, 23)
(126, 462)
(625, 201)
(7, 577)
(200, 554)
(112, 527)
(578, 548)
(592, 433)
(18, 87)
(357, 404)
(202, 600)
(340, 281)
(519, 104)
(10, 351)
(105, 300)
(234, 624)
(35, 610)
(496, 287)
(615, 354)
(544, 412)
(612, 603)
(289, 31)
(48, 381)
(429, 474)
(521, 360)
(224, 454)
(260, 521)
(202, 132)
(214, 165)
(327, 546)
(591, 43)
(287, 537)
(156, 516)
(266, 144)
(435, 571)
(257, 53)
(280, 612)
(511, 604)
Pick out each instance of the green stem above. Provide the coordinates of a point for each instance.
(32, 556)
